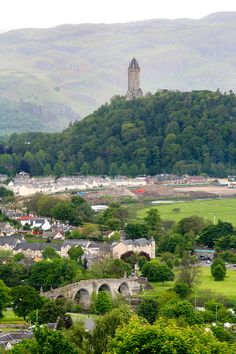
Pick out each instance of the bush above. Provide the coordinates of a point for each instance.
(158, 272)
(218, 272)
(148, 308)
(182, 289)
(183, 311)
(224, 335)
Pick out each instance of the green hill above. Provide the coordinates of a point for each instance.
(180, 132)
(83, 66)
(26, 116)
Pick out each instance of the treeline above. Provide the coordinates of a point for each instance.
(74, 211)
(170, 131)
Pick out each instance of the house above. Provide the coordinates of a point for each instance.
(35, 223)
(54, 235)
(8, 340)
(93, 251)
(34, 250)
(26, 220)
(96, 251)
(42, 224)
(137, 246)
(67, 244)
(59, 236)
(6, 229)
(8, 243)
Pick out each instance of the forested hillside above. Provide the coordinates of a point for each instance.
(179, 132)
(26, 116)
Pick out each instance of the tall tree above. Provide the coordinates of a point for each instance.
(4, 297)
(25, 299)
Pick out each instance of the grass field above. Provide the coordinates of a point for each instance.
(206, 282)
(10, 317)
(226, 287)
(223, 209)
(81, 316)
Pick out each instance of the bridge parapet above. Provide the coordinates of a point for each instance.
(83, 290)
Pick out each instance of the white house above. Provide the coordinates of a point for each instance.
(42, 224)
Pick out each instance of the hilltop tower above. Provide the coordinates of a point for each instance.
(134, 89)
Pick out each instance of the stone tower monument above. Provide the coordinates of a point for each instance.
(134, 89)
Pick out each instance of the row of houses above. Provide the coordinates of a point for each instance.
(174, 179)
(93, 251)
(35, 225)
(24, 185)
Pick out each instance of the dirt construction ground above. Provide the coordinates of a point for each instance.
(155, 191)
(217, 190)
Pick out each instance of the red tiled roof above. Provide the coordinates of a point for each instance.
(26, 217)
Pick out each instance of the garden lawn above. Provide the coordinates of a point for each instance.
(222, 209)
(11, 318)
(81, 316)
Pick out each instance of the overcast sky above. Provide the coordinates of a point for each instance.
(48, 13)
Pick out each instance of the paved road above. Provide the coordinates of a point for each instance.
(206, 264)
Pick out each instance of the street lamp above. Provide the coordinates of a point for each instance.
(195, 299)
(216, 311)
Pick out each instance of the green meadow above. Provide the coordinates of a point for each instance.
(213, 209)
(227, 287)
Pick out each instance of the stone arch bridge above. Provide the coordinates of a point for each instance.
(83, 290)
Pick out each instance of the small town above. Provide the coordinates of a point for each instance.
(117, 177)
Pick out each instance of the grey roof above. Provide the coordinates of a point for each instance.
(52, 325)
(36, 246)
(75, 242)
(142, 241)
(101, 245)
(12, 336)
(137, 242)
(133, 64)
(39, 221)
(21, 335)
(11, 240)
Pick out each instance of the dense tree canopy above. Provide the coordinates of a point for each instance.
(165, 337)
(210, 234)
(171, 131)
(75, 211)
(25, 299)
(155, 271)
(46, 341)
(52, 273)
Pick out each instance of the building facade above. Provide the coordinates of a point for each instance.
(136, 246)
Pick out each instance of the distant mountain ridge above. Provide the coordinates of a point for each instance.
(82, 66)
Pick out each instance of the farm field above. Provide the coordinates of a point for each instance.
(226, 288)
(213, 209)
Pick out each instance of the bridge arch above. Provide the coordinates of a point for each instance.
(59, 297)
(104, 287)
(124, 289)
(82, 297)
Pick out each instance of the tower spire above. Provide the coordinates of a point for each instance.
(134, 89)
